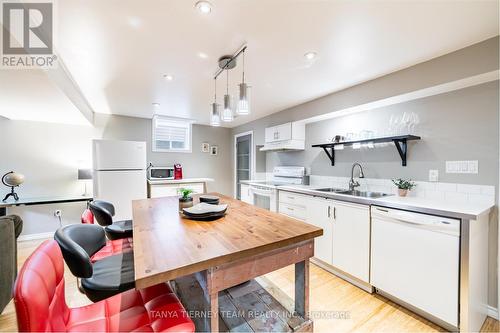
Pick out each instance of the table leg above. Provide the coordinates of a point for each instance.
(302, 288)
(214, 312)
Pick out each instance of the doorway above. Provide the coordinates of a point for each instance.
(244, 160)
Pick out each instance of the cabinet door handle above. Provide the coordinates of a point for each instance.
(329, 211)
(334, 213)
(293, 198)
(290, 208)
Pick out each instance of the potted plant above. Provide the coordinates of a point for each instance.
(403, 186)
(185, 199)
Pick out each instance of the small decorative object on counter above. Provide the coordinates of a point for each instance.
(209, 199)
(177, 171)
(403, 186)
(185, 201)
(205, 212)
(12, 179)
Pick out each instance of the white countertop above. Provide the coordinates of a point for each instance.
(438, 207)
(179, 181)
(452, 209)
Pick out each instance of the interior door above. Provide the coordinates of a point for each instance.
(319, 213)
(243, 161)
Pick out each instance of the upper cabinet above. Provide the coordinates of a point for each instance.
(289, 136)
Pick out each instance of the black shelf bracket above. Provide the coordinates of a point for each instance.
(330, 154)
(402, 147)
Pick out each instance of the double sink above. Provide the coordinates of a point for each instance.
(354, 193)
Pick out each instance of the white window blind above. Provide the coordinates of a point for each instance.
(171, 135)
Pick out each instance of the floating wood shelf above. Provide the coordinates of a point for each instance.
(400, 141)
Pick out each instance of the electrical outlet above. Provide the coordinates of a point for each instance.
(57, 213)
(433, 175)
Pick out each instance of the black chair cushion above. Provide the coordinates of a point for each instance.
(112, 275)
(119, 229)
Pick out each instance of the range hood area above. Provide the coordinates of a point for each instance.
(285, 137)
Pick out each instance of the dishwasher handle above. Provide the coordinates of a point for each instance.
(431, 222)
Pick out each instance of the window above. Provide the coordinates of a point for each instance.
(171, 134)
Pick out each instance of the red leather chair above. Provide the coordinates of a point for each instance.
(112, 247)
(41, 307)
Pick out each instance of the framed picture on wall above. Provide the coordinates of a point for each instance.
(214, 150)
(205, 147)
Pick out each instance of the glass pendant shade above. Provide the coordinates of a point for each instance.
(227, 113)
(215, 116)
(244, 100)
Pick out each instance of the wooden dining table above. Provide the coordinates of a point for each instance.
(244, 244)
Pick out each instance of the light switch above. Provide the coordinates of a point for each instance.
(474, 167)
(433, 175)
(462, 167)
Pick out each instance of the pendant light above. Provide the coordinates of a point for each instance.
(215, 115)
(227, 113)
(244, 98)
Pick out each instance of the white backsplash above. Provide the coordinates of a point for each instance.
(435, 191)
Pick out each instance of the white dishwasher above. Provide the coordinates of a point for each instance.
(415, 258)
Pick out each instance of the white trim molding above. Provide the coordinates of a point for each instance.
(235, 159)
(493, 312)
(30, 237)
(417, 94)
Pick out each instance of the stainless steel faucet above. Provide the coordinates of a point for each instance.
(352, 182)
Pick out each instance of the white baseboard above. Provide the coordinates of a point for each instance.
(43, 235)
(493, 312)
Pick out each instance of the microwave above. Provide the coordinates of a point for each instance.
(161, 173)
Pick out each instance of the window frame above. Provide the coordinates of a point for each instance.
(188, 123)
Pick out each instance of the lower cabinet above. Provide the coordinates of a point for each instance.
(245, 194)
(351, 239)
(293, 205)
(345, 243)
(319, 213)
(167, 190)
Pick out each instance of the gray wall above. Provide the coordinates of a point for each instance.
(49, 155)
(460, 125)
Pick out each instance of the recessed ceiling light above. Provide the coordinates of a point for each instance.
(204, 7)
(156, 105)
(168, 77)
(202, 55)
(310, 55)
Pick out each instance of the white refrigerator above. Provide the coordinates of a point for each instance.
(119, 174)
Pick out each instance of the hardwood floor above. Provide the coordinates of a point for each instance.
(336, 305)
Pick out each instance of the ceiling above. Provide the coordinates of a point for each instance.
(117, 51)
(31, 95)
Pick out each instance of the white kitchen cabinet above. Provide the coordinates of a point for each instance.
(166, 190)
(293, 204)
(284, 132)
(351, 239)
(245, 194)
(297, 212)
(295, 199)
(319, 213)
